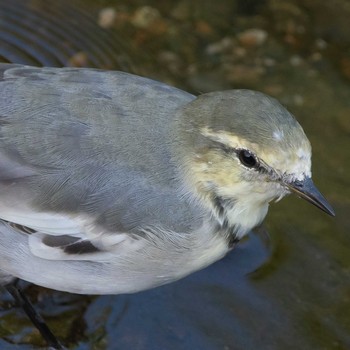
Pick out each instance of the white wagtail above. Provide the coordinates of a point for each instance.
(113, 183)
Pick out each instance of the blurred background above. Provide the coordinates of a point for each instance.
(291, 291)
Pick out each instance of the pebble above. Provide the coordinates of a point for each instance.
(295, 60)
(145, 16)
(252, 37)
(219, 46)
(106, 17)
(79, 59)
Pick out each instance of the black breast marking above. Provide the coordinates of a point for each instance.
(221, 205)
(232, 241)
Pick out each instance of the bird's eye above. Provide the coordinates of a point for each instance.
(247, 158)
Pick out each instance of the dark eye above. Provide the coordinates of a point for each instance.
(247, 158)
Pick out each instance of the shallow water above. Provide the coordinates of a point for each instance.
(294, 291)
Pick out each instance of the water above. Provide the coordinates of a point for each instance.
(291, 293)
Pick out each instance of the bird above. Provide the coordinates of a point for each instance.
(114, 183)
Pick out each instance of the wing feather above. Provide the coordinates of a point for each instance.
(59, 237)
(81, 161)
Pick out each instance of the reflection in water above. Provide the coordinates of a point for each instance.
(48, 33)
(298, 298)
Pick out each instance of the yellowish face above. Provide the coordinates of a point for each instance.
(248, 174)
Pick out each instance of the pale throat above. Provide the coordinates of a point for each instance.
(244, 205)
(245, 218)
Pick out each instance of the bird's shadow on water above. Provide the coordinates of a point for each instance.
(199, 311)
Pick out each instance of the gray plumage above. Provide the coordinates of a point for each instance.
(95, 176)
(86, 141)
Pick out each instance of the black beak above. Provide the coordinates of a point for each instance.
(307, 190)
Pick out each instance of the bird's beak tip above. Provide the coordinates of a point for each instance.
(308, 191)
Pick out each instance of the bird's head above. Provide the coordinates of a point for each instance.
(241, 150)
